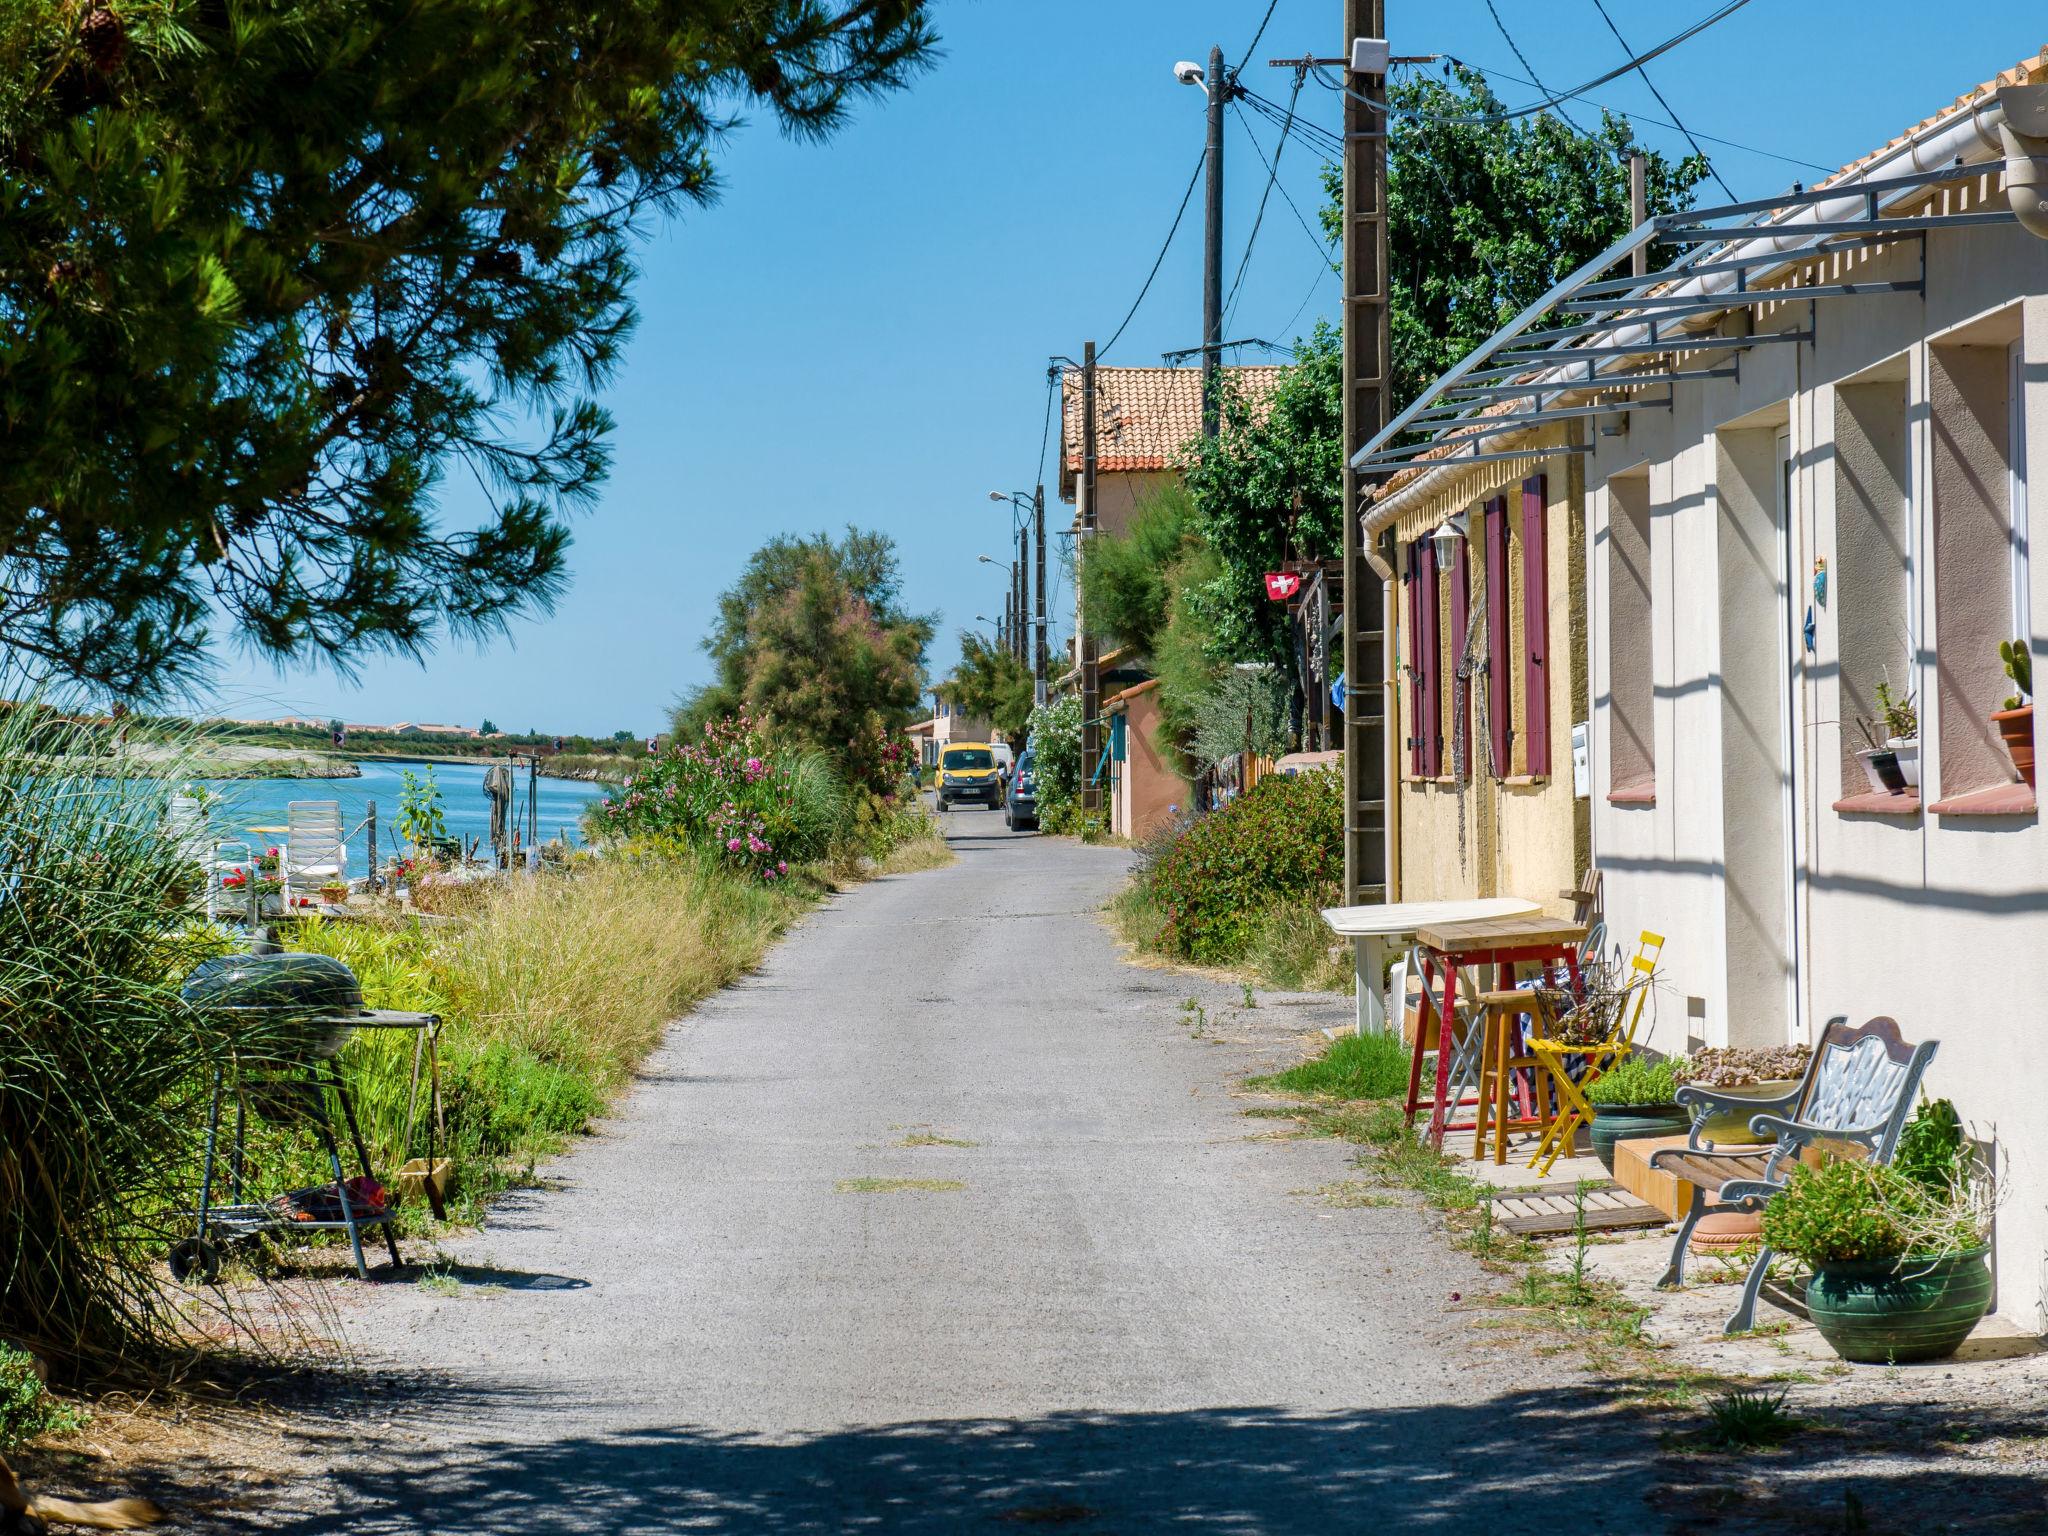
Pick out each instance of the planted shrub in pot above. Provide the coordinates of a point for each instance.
(2015, 722)
(1898, 1252)
(1759, 1072)
(1902, 731)
(1634, 1098)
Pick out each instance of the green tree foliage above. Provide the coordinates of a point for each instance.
(1484, 218)
(990, 684)
(1126, 581)
(812, 640)
(1245, 711)
(1055, 737)
(1266, 490)
(271, 269)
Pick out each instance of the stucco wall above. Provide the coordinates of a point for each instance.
(1939, 921)
(1148, 790)
(1868, 572)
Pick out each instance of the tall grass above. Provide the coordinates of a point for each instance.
(1354, 1067)
(552, 992)
(104, 1071)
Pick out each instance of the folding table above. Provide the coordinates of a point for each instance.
(1447, 948)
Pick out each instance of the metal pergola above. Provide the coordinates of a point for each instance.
(1612, 337)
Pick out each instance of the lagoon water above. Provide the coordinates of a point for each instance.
(246, 803)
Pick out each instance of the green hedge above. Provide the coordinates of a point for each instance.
(1282, 839)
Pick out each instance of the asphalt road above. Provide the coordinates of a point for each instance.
(1126, 1317)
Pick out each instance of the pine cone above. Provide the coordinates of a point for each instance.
(104, 38)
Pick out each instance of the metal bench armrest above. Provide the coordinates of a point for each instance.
(1790, 1134)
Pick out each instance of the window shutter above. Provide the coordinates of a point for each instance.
(1461, 622)
(1413, 578)
(1536, 625)
(1499, 674)
(1430, 696)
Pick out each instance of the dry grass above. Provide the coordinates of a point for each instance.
(586, 972)
(873, 1186)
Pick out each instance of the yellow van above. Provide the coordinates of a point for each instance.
(968, 774)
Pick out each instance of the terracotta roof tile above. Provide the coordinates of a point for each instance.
(1145, 416)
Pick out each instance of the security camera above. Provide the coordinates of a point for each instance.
(1188, 72)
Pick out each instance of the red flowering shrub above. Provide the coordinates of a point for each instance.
(1281, 839)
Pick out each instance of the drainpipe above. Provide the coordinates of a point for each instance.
(2023, 135)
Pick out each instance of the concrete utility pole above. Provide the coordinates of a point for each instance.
(1022, 650)
(1091, 671)
(1368, 701)
(1212, 249)
(1038, 663)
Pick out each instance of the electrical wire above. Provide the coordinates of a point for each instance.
(1488, 119)
(1516, 49)
(1259, 218)
(1157, 261)
(1272, 6)
(1052, 383)
(1323, 272)
(1322, 138)
(1321, 244)
(1695, 143)
(1644, 117)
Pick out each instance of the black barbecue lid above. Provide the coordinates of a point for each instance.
(290, 983)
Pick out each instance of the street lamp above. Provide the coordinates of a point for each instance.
(1029, 588)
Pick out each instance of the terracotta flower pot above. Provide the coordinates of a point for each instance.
(2017, 727)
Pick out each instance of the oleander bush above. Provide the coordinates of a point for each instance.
(1280, 841)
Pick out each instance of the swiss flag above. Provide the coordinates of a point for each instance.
(1281, 585)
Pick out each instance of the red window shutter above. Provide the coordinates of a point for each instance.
(1416, 735)
(1499, 673)
(1536, 625)
(1461, 623)
(1430, 696)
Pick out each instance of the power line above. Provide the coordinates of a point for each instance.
(1321, 244)
(1272, 6)
(1516, 49)
(1185, 198)
(1488, 119)
(1258, 219)
(1052, 379)
(1644, 117)
(1730, 191)
(1324, 271)
(1323, 139)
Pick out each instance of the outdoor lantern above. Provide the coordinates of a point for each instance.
(1450, 533)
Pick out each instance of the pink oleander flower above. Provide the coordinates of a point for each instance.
(781, 868)
(732, 845)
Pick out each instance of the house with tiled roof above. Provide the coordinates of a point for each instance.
(1798, 460)
(1145, 418)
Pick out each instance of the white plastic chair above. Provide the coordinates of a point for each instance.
(314, 852)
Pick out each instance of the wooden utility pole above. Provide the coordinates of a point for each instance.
(1219, 84)
(1091, 671)
(1367, 369)
(1022, 650)
(1038, 596)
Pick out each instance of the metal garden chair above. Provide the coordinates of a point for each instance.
(1858, 1089)
(1573, 1076)
(314, 852)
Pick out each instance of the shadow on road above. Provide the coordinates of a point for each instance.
(1524, 1462)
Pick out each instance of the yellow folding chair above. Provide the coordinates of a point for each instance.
(1597, 1057)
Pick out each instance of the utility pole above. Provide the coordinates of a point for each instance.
(1038, 664)
(1091, 671)
(1212, 250)
(1022, 649)
(1638, 209)
(1368, 700)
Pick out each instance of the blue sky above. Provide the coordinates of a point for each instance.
(858, 332)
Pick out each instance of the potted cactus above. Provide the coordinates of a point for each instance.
(2015, 721)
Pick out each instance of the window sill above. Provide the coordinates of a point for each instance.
(1879, 803)
(1525, 780)
(1999, 800)
(1634, 794)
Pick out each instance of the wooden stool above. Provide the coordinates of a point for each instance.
(1499, 1061)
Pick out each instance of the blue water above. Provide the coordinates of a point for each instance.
(248, 803)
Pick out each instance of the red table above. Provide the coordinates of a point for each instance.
(1448, 948)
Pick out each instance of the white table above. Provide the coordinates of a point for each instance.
(1369, 928)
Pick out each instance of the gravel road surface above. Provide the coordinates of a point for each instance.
(1111, 1306)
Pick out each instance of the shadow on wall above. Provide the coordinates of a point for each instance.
(1527, 1461)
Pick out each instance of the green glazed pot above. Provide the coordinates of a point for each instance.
(1625, 1122)
(1730, 1127)
(1877, 1311)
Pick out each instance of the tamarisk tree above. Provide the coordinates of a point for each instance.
(271, 270)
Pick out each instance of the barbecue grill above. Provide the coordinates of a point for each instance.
(318, 1003)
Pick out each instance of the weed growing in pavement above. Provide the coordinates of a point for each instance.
(1193, 1013)
(438, 1279)
(1352, 1194)
(1249, 1000)
(872, 1186)
(931, 1139)
(1745, 1419)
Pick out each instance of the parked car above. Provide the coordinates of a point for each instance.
(1005, 759)
(1022, 809)
(968, 775)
